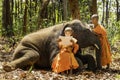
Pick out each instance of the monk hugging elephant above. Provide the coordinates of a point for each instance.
(40, 48)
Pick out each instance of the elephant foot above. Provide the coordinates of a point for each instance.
(89, 69)
(8, 67)
(99, 68)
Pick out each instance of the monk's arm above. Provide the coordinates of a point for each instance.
(76, 48)
(99, 35)
(99, 31)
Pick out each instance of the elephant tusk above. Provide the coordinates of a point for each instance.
(96, 46)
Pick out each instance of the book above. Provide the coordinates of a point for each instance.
(67, 40)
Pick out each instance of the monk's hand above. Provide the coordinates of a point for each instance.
(72, 41)
(74, 52)
(99, 35)
(58, 40)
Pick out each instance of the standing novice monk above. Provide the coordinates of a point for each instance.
(102, 34)
(65, 59)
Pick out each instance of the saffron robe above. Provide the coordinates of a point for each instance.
(106, 53)
(65, 59)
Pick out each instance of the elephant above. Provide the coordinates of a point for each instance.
(86, 37)
(39, 48)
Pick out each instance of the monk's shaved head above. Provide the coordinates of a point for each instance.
(95, 16)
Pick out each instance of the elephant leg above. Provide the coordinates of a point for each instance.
(80, 63)
(90, 61)
(81, 66)
(29, 58)
(98, 59)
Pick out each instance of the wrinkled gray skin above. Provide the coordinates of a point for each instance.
(39, 48)
(86, 38)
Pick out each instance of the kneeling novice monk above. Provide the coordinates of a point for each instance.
(65, 59)
(102, 34)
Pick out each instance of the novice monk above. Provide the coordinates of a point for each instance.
(65, 59)
(102, 34)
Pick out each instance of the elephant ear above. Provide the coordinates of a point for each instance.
(62, 32)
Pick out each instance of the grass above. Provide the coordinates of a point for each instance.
(117, 76)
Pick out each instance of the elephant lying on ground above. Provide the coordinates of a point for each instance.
(39, 48)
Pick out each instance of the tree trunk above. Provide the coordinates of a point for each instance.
(12, 11)
(54, 14)
(65, 14)
(30, 11)
(18, 7)
(21, 8)
(25, 18)
(93, 7)
(103, 12)
(74, 8)
(42, 10)
(15, 10)
(12, 5)
(30, 15)
(7, 29)
(118, 10)
(107, 12)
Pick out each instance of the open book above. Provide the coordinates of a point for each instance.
(67, 40)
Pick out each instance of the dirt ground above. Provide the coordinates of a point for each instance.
(7, 47)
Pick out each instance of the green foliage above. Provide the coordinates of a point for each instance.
(114, 32)
(117, 76)
(6, 48)
(54, 15)
(31, 68)
(84, 10)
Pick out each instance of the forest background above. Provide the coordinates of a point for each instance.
(20, 17)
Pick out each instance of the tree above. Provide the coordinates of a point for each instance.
(107, 12)
(65, 14)
(42, 9)
(93, 7)
(74, 8)
(118, 10)
(7, 29)
(25, 17)
(103, 12)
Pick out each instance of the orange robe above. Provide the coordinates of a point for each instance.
(105, 54)
(65, 59)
